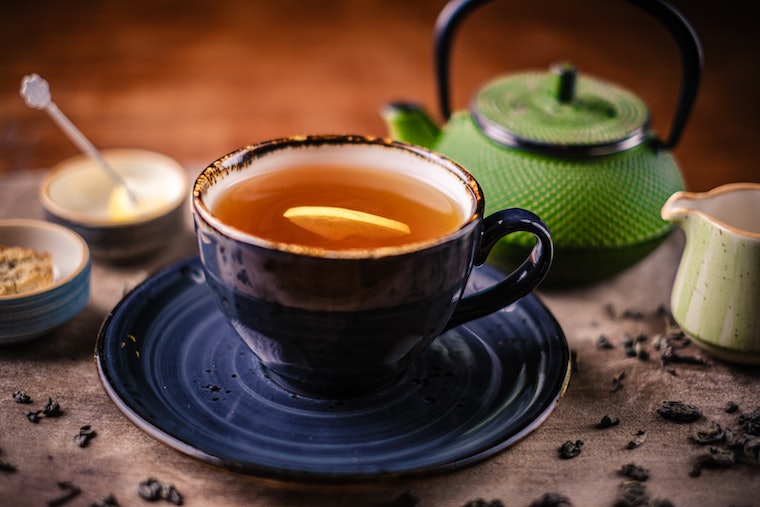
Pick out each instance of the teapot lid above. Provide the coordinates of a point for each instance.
(560, 113)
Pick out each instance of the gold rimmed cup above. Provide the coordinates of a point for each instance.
(330, 322)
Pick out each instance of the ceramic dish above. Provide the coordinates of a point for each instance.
(28, 315)
(79, 194)
(174, 366)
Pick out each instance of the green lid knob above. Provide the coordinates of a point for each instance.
(566, 72)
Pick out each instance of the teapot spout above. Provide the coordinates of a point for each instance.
(410, 123)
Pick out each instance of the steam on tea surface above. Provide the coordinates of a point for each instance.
(338, 208)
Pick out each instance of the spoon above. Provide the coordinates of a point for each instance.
(36, 93)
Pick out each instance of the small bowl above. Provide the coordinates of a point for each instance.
(79, 194)
(30, 314)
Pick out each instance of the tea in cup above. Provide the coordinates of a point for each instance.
(339, 259)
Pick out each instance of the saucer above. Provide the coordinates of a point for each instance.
(173, 365)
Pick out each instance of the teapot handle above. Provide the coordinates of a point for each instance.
(680, 29)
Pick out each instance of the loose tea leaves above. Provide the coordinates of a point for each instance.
(570, 449)
(632, 494)
(609, 421)
(604, 343)
(752, 450)
(21, 397)
(151, 490)
(86, 433)
(731, 407)
(484, 503)
(6, 466)
(52, 409)
(712, 435)
(70, 491)
(750, 423)
(617, 382)
(551, 500)
(713, 457)
(638, 440)
(109, 501)
(679, 412)
(635, 472)
(616, 313)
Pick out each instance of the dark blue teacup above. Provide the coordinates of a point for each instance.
(335, 323)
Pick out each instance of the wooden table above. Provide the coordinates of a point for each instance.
(196, 80)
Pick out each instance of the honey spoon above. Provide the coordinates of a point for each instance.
(36, 92)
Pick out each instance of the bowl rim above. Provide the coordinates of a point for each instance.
(77, 217)
(48, 227)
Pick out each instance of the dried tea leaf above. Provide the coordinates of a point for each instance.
(551, 500)
(604, 343)
(86, 433)
(52, 409)
(34, 416)
(109, 501)
(616, 313)
(483, 503)
(634, 472)
(638, 440)
(752, 450)
(735, 440)
(712, 435)
(731, 407)
(71, 491)
(570, 449)
(5, 466)
(151, 490)
(632, 494)
(750, 423)
(679, 412)
(21, 397)
(617, 382)
(609, 421)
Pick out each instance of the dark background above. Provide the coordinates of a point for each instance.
(197, 79)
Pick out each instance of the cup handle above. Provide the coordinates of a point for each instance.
(520, 281)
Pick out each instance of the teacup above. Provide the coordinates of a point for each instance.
(331, 322)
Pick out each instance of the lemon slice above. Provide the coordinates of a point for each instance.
(341, 223)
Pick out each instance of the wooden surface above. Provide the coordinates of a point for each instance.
(60, 365)
(197, 79)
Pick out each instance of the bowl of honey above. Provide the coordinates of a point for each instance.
(119, 223)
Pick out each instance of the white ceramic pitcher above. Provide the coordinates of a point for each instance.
(716, 294)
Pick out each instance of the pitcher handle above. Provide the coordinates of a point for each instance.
(679, 28)
(520, 281)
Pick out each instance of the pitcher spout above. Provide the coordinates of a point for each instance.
(734, 207)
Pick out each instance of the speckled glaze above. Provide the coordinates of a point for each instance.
(334, 322)
(716, 294)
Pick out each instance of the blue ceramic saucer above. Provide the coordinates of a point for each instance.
(172, 364)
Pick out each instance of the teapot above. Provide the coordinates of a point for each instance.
(575, 149)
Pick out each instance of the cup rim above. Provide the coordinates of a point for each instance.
(249, 153)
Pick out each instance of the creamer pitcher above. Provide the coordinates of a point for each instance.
(716, 293)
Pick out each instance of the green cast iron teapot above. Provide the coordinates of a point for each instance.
(574, 149)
